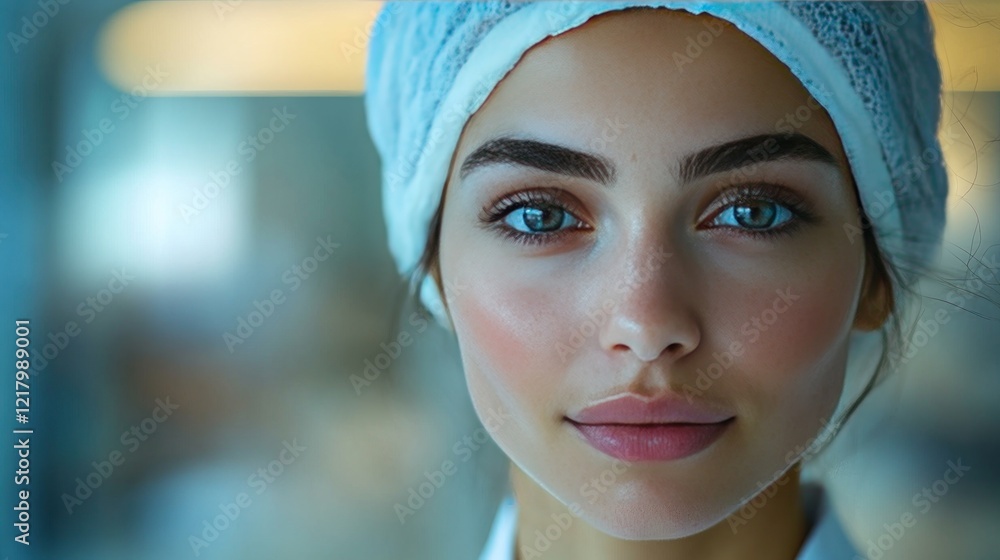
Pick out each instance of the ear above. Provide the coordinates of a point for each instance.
(876, 302)
(436, 274)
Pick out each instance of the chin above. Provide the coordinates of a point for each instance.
(652, 516)
(639, 510)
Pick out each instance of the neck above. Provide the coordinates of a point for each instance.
(776, 530)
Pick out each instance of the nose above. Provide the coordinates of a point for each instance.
(654, 316)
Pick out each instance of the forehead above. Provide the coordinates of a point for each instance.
(675, 81)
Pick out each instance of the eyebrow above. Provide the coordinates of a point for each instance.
(540, 155)
(728, 156)
(752, 150)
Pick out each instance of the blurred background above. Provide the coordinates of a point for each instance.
(190, 217)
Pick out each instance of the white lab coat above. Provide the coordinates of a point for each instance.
(826, 539)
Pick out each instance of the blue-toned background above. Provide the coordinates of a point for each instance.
(190, 218)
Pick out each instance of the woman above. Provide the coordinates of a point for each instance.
(659, 230)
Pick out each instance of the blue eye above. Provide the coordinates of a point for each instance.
(754, 215)
(533, 217)
(541, 218)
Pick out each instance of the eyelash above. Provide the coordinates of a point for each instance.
(493, 214)
(735, 195)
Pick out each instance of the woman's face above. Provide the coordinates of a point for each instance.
(632, 219)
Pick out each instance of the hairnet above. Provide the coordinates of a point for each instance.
(871, 65)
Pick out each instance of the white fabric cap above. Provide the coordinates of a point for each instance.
(870, 64)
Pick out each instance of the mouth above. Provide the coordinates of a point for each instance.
(633, 427)
(651, 442)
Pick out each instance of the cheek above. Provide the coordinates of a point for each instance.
(794, 339)
(507, 335)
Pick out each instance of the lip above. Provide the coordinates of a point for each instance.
(634, 429)
(632, 409)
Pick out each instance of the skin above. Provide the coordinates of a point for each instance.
(680, 281)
